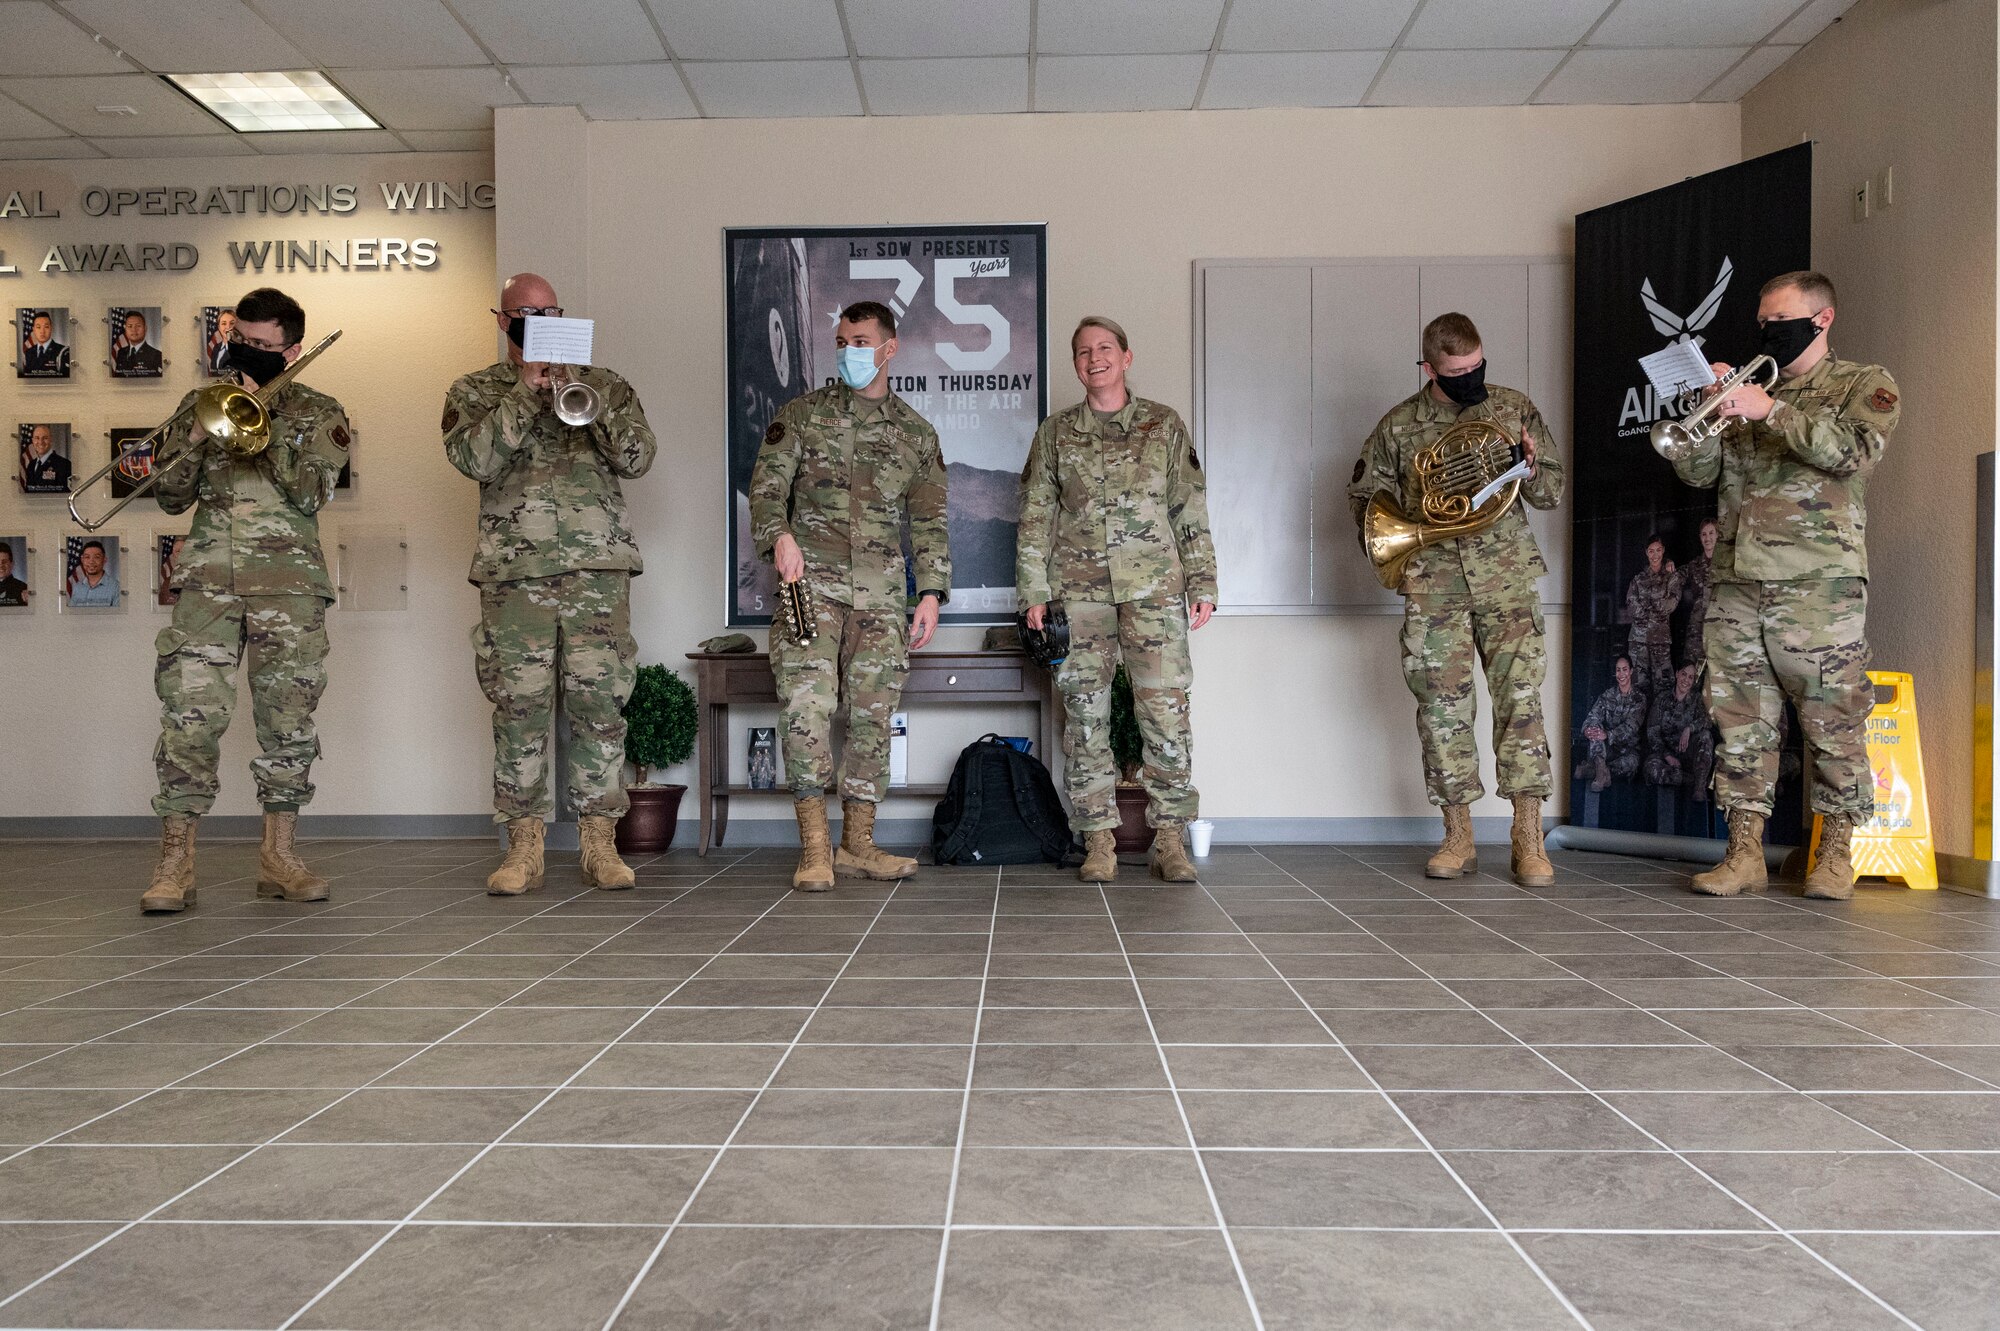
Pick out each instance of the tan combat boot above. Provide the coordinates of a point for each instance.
(858, 855)
(1457, 855)
(1530, 862)
(1169, 858)
(1100, 857)
(1742, 868)
(173, 879)
(596, 837)
(1832, 878)
(521, 871)
(1600, 775)
(815, 871)
(280, 871)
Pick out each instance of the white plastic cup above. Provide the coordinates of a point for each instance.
(1200, 833)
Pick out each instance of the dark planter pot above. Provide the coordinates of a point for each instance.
(1133, 837)
(648, 826)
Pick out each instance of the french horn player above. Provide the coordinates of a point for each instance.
(1438, 491)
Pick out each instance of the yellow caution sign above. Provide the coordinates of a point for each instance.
(1896, 842)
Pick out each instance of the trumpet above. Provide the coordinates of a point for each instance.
(1675, 440)
(797, 603)
(228, 413)
(576, 402)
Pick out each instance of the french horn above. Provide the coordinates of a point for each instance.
(1467, 481)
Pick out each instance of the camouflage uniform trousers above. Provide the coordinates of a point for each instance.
(574, 628)
(1653, 666)
(1151, 637)
(1441, 634)
(854, 667)
(1768, 641)
(1696, 763)
(195, 677)
(1621, 759)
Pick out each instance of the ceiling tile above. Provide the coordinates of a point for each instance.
(430, 98)
(752, 29)
(1812, 21)
(190, 36)
(926, 28)
(1691, 22)
(1462, 78)
(42, 150)
(1759, 65)
(578, 32)
(1108, 27)
(610, 92)
(450, 140)
(325, 141)
(1117, 82)
(776, 88)
(1290, 78)
(1315, 25)
(373, 34)
(34, 39)
(73, 103)
(946, 87)
(1526, 25)
(18, 122)
(1626, 78)
(192, 145)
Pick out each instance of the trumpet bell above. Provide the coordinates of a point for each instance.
(1674, 441)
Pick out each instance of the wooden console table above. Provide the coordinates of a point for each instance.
(964, 677)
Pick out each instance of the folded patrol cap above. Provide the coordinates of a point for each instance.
(728, 643)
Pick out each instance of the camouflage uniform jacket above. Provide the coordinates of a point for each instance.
(840, 479)
(256, 524)
(1114, 511)
(1697, 578)
(1673, 714)
(1792, 501)
(1618, 715)
(1650, 600)
(1503, 560)
(549, 500)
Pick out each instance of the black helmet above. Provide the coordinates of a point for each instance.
(1048, 645)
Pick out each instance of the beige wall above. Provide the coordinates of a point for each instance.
(1910, 84)
(1294, 717)
(403, 724)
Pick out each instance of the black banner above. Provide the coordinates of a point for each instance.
(1679, 264)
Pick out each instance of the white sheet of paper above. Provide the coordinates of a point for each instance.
(557, 341)
(1678, 367)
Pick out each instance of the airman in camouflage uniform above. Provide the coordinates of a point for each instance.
(1679, 740)
(1788, 613)
(1697, 586)
(554, 566)
(1470, 600)
(1611, 730)
(840, 471)
(251, 577)
(1650, 601)
(1114, 524)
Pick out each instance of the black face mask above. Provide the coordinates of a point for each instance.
(517, 329)
(1468, 389)
(1785, 340)
(259, 365)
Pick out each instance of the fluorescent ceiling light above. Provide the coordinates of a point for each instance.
(267, 103)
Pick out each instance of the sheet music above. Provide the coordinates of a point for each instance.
(1677, 368)
(557, 341)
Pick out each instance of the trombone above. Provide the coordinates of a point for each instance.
(228, 413)
(1675, 440)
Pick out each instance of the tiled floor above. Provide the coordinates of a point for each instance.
(1315, 1091)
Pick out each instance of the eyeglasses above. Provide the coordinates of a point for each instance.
(531, 311)
(238, 340)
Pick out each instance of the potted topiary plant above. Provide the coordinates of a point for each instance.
(1128, 750)
(660, 724)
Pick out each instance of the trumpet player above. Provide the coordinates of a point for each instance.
(840, 470)
(251, 578)
(1789, 604)
(554, 567)
(1471, 601)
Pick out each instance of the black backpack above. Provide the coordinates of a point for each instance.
(1000, 808)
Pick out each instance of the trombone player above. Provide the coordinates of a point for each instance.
(252, 579)
(1788, 610)
(554, 567)
(1471, 599)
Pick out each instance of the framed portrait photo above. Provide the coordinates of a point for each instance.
(17, 578)
(217, 323)
(91, 573)
(135, 341)
(44, 456)
(168, 549)
(41, 342)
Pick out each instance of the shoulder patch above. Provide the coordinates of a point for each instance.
(1882, 399)
(343, 438)
(775, 433)
(450, 419)
(1360, 469)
